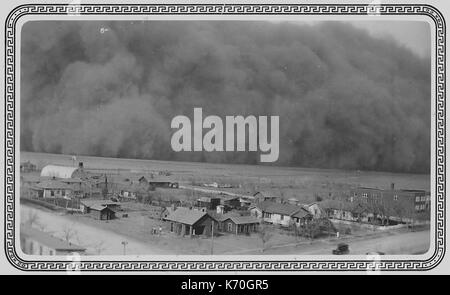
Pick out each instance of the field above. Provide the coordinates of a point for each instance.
(101, 237)
(287, 182)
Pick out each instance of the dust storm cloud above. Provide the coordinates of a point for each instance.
(345, 99)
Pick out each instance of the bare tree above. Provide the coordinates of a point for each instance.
(68, 232)
(32, 218)
(265, 234)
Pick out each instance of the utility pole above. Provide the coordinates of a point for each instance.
(212, 237)
(124, 243)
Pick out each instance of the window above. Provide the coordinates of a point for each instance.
(417, 207)
(63, 192)
(395, 197)
(52, 193)
(230, 227)
(51, 252)
(422, 198)
(282, 217)
(417, 199)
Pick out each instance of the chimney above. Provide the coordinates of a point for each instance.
(392, 186)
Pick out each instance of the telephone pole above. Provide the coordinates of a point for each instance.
(212, 237)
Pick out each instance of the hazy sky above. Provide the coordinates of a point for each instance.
(413, 34)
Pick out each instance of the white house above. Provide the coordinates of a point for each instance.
(53, 189)
(279, 214)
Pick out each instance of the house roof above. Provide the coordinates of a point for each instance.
(302, 213)
(186, 216)
(48, 240)
(272, 207)
(53, 184)
(96, 203)
(243, 219)
(98, 207)
(72, 180)
(58, 171)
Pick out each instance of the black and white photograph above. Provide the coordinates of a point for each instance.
(276, 137)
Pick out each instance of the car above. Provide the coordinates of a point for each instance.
(342, 249)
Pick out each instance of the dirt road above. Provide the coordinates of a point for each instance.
(390, 243)
(95, 240)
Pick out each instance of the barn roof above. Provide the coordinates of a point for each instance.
(58, 171)
(186, 216)
(48, 240)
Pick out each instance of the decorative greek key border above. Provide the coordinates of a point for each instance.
(223, 9)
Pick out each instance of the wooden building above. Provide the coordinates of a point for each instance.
(190, 222)
(240, 224)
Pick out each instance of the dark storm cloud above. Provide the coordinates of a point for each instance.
(345, 99)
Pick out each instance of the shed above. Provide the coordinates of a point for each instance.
(102, 212)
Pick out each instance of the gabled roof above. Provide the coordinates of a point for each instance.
(186, 216)
(277, 208)
(302, 213)
(53, 184)
(243, 219)
(48, 240)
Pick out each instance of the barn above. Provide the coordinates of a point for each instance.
(57, 171)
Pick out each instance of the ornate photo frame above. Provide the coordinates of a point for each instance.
(11, 114)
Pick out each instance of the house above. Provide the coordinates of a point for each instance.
(239, 224)
(264, 196)
(36, 242)
(301, 217)
(52, 188)
(63, 171)
(348, 211)
(232, 202)
(163, 182)
(27, 167)
(80, 188)
(280, 214)
(210, 203)
(316, 210)
(184, 221)
(100, 209)
(101, 212)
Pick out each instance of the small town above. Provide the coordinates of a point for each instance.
(156, 212)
